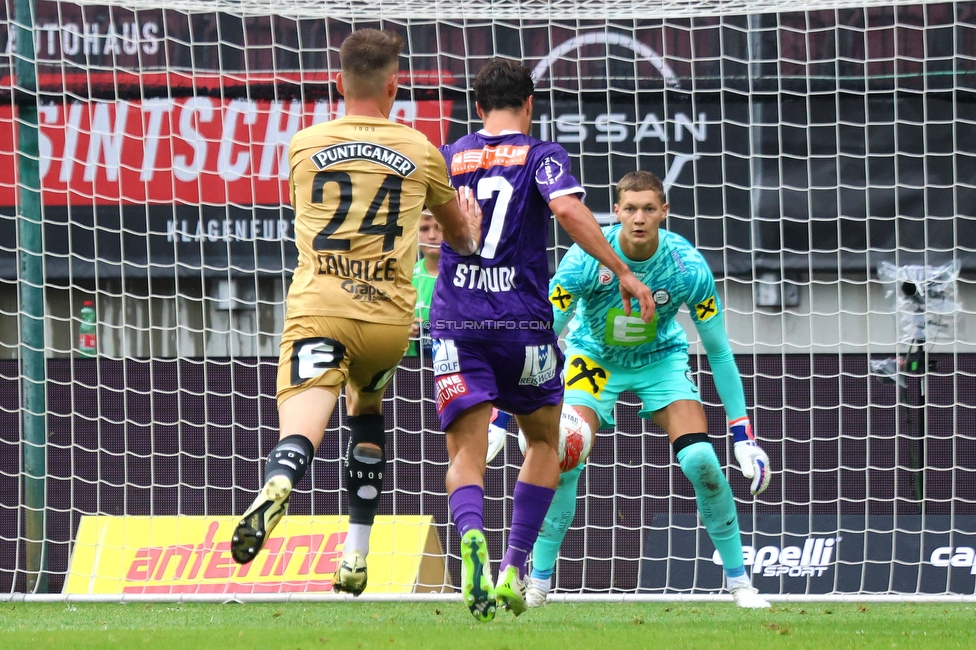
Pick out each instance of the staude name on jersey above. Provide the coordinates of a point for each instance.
(492, 279)
(385, 156)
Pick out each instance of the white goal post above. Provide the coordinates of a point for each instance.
(497, 10)
(805, 146)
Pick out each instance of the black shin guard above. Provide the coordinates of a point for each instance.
(291, 457)
(365, 465)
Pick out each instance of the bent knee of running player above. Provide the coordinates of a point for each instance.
(541, 427)
(467, 445)
(589, 415)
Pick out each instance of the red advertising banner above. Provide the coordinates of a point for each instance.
(194, 150)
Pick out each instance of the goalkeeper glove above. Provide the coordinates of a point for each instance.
(753, 461)
(497, 433)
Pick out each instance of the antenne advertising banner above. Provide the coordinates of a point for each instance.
(191, 555)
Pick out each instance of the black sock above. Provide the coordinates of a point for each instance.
(291, 457)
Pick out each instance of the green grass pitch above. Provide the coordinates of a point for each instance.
(563, 626)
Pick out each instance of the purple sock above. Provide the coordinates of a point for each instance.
(530, 503)
(468, 508)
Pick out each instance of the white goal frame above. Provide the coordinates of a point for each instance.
(751, 147)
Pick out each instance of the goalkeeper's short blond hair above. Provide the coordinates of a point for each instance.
(640, 181)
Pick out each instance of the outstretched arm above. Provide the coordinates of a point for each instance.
(752, 460)
(577, 220)
(728, 381)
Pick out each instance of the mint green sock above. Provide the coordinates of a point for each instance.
(558, 519)
(716, 507)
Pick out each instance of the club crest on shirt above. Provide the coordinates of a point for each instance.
(706, 309)
(549, 171)
(604, 275)
(661, 297)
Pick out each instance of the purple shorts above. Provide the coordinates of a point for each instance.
(516, 378)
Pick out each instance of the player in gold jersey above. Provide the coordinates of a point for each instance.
(358, 185)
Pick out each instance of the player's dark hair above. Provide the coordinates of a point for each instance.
(366, 57)
(503, 83)
(640, 181)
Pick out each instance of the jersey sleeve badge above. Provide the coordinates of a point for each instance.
(706, 309)
(560, 298)
(549, 171)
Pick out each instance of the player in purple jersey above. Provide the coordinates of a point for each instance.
(492, 324)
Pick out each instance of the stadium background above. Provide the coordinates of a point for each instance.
(816, 145)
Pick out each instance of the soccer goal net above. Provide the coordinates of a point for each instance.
(822, 155)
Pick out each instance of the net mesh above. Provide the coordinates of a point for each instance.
(802, 146)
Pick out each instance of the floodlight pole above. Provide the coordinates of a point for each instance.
(31, 297)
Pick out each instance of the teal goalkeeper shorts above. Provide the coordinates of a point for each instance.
(597, 383)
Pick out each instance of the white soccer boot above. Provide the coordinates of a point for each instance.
(535, 595)
(260, 519)
(350, 576)
(747, 596)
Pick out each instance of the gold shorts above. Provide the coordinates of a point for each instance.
(329, 352)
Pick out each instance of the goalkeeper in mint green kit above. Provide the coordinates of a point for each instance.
(608, 353)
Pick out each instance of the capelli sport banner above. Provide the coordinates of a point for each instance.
(818, 554)
(191, 555)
